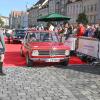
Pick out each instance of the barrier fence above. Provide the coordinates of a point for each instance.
(84, 45)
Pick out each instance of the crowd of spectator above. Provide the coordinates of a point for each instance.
(89, 30)
(66, 29)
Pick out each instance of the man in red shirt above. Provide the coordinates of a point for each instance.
(80, 30)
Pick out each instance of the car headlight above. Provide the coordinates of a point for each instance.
(35, 53)
(19, 37)
(67, 52)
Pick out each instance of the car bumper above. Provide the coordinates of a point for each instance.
(49, 59)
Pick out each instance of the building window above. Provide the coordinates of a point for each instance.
(95, 7)
(74, 9)
(80, 9)
(88, 8)
(84, 9)
(67, 9)
(62, 2)
(71, 9)
(77, 9)
(91, 8)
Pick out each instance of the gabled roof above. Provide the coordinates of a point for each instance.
(44, 4)
(40, 2)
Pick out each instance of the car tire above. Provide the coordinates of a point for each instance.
(8, 40)
(28, 61)
(21, 52)
(65, 62)
(13, 41)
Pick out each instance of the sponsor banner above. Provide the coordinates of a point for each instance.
(71, 42)
(88, 47)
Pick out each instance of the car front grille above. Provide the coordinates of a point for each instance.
(52, 52)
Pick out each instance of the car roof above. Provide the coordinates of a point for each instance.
(19, 29)
(38, 31)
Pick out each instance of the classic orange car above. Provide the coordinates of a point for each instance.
(44, 46)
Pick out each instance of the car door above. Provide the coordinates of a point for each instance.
(24, 43)
(27, 46)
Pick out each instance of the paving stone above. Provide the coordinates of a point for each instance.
(39, 98)
(47, 98)
(50, 83)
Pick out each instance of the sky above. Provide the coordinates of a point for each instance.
(6, 6)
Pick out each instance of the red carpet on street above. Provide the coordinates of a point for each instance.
(13, 58)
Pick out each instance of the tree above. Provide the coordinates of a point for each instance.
(1, 22)
(82, 18)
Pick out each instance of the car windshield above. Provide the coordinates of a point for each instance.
(43, 37)
(20, 32)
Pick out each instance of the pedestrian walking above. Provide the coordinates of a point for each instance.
(2, 51)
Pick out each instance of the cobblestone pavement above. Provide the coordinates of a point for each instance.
(50, 83)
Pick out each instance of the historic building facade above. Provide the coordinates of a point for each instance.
(18, 19)
(36, 11)
(90, 7)
(70, 8)
(73, 9)
(43, 9)
(32, 16)
(98, 7)
(51, 7)
(5, 20)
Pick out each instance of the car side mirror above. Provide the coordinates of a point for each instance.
(22, 41)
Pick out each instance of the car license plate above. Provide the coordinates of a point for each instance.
(52, 60)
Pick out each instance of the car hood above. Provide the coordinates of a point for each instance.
(48, 45)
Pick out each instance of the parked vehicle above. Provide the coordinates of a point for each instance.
(8, 34)
(44, 46)
(18, 35)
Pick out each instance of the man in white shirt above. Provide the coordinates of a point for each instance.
(51, 28)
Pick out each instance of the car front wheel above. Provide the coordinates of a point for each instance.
(65, 62)
(29, 61)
